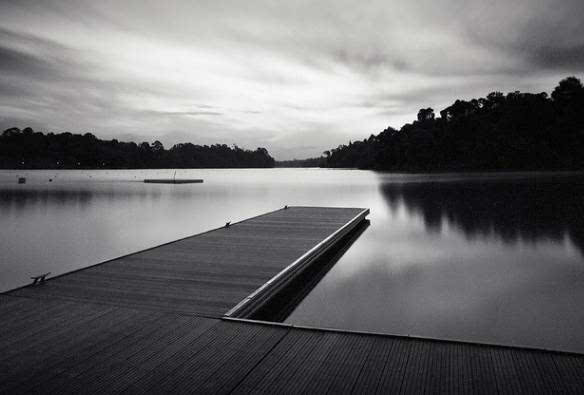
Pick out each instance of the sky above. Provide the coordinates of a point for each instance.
(295, 77)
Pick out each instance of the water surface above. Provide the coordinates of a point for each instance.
(493, 259)
(490, 258)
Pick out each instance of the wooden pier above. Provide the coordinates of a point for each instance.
(156, 321)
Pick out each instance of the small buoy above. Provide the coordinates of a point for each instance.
(50, 180)
(21, 180)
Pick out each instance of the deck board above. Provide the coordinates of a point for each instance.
(130, 350)
(371, 372)
(203, 274)
(152, 322)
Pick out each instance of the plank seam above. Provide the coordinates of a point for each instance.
(260, 361)
(396, 336)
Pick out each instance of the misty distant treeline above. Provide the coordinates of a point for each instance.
(517, 131)
(310, 162)
(27, 149)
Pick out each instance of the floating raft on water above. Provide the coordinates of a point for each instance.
(172, 181)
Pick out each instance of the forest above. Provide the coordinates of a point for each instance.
(27, 149)
(516, 131)
(310, 162)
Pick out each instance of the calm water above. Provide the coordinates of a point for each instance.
(488, 258)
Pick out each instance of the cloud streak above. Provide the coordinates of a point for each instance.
(294, 77)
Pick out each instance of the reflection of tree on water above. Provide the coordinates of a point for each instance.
(21, 198)
(526, 209)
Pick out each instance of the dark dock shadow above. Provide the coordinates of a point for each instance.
(281, 305)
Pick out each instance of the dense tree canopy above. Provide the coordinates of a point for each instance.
(310, 162)
(26, 149)
(517, 131)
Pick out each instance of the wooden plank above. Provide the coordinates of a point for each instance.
(49, 372)
(36, 344)
(440, 374)
(117, 365)
(336, 370)
(281, 363)
(134, 325)
(306, 372)
(10, 304)
(349, 364)
(30, 369)
(330, 361)
(371, 372)
(418, 374)
(508, 379)
(147, 364)
(209, 361)
(28, 315)
(145, 300)
(261, 296)
(91, 364)
(570, 368)
(136, 352)
(47, 321)
(203, 274)
(238, 364)
(395, 368)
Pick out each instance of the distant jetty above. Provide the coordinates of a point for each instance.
(172, 181)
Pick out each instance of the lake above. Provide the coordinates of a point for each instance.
(494, 258)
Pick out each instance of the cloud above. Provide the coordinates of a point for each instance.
(27, 60)
(296, 77)
(567, 58)
(16, 62)
(185, 113)
(541, 35)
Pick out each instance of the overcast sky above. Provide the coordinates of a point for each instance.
(296, 77)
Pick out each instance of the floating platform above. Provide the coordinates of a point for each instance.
(172, 181)
(162, 321)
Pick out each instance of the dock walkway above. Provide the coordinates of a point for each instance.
(154, 322)
(206, 274)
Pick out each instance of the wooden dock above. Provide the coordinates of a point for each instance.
(207, 274)
(155, 322)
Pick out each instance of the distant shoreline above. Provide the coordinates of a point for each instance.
(437, 172)
(27, 149)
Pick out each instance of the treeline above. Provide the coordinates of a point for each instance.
(517, 131)
(27, 149)
(310, 162)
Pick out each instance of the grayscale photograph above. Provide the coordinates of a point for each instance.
(267, 197)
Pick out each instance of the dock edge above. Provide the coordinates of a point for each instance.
(263, 294)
